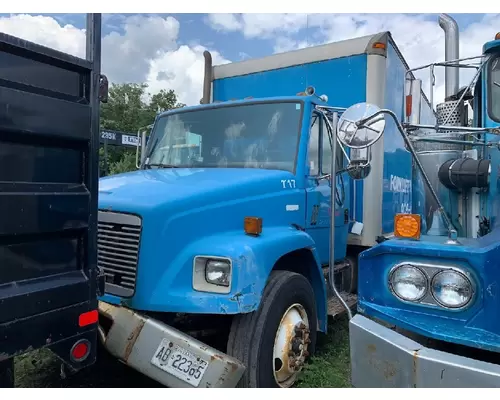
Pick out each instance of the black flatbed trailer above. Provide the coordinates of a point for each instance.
(49, 141)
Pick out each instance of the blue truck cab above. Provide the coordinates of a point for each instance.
(217, 225)
(226, 226)
(428, 306)
(207, 198)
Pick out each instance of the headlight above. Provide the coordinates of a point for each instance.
(451, 289)
(212, 274)
(408, 282)
(218, 272)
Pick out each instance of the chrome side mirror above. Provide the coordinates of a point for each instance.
(361, 126)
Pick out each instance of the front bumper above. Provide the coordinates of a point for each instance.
(152, 348)
(381, 357)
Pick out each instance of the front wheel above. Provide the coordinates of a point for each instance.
(275, 341)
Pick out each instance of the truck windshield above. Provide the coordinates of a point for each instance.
(258, 135)
(495, 89)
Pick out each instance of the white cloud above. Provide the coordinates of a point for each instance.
(182, 71)
(258, 25)
(284, 44)
(146, 51)
(225, 22)
(127, 57)
(45, 31)
(419, 37)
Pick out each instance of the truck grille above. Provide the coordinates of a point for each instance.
(118, 238)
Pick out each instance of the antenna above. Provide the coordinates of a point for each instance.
(307, 44)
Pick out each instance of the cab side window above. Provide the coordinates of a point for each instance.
(314, 145)
(320, 148)
(326, 153)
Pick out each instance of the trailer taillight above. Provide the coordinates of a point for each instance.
(407, 226)
(80, 350)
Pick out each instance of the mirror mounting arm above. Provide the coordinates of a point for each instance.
(452, 233)
(332, 126)
(321, 177)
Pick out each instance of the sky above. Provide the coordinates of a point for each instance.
(166, 50)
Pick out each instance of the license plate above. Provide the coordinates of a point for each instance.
(179, 362)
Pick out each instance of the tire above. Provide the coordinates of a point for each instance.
(252, 336)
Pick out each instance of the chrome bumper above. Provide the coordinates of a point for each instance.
(137, 340)
(381, 357)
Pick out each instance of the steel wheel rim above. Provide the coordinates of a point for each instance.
(290, 345)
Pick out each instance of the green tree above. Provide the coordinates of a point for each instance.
(131, 107)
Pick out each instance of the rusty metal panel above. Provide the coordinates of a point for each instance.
(381, 357)
(136, 340)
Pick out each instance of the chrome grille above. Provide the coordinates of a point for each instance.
(118, 238)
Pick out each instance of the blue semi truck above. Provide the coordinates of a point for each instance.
(227, 228)
(428, 299)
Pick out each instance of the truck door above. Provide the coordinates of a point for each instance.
(318, 192)
(49, 139)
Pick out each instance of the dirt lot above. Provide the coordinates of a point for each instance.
(329, 368)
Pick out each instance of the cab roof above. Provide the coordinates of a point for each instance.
(305, 99)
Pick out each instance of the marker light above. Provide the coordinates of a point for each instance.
(379, 45)
(80, 350)
(407, 226)
(451, 289)
(408, 282)
(408, 104)
(88, 318)
(253, 225)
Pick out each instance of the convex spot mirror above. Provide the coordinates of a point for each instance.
(360, 126)
(359, 171)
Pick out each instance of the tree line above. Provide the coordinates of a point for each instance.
(130, 107)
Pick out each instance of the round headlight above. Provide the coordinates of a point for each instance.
(408, 282)
(451, 289)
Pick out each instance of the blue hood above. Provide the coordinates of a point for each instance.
(148, 189)
(188, 212)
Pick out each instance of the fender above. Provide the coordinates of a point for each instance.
(253, 259)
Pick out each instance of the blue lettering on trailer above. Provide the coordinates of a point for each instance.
(402, 193)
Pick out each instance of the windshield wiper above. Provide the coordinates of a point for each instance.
(162, 165)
